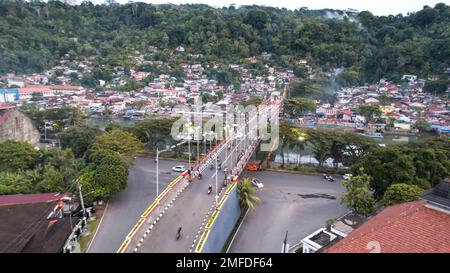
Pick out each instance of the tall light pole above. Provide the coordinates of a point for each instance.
(189, 151)
(198, 143)
(81, 199)
(170, 148)
(226, 145)
(217, 189)
(157, 172)
(300, 140)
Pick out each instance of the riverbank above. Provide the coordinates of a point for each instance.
(305, 169)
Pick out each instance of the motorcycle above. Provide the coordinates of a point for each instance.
(330, 179)
(209, 190)
(199, 176)
(211, 167)
(178, 233)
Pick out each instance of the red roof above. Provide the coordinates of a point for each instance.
(47, 88)
(19, 199)
(4, 115)
(5, 106)
(406, 228)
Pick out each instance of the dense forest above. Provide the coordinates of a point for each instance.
(35, 34)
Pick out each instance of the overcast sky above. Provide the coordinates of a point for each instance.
(377, 7)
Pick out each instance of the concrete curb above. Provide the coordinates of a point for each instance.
(237, 230)
(98, 227)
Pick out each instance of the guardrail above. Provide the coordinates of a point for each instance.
(214, 215)
(212, 219)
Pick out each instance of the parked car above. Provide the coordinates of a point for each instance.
(255, 182)
(347, 176)
(178, 168)
(253, 167)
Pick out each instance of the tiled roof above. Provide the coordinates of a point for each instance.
(440, 194)
(16, 199)
(406, 228)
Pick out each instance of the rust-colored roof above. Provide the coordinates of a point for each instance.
(4, 106)
(20, 199)
(47, 88)
(406, 228)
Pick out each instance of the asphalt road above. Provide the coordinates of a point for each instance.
(125, 207)
(187, 211)
(288, 203)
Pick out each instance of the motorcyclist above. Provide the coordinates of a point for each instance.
(209, 189)
(199, 175)
(179, 232)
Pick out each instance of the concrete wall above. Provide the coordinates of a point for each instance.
(18, 127)
(224, 224)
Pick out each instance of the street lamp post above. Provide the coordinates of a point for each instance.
(300, 139)
(204, 144)
(157, 173)
(217, 190)
(198, 144)
(82, 200)
(189, 151)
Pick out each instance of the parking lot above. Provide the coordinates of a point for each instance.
(299, 204)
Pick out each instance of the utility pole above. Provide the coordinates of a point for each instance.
(81, 199)
(285, 244)
(45, 130)
(157, 172)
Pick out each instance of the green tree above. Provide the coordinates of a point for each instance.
(321, 145)
(370, 112)
(358, 196)
(422, 126)
(300, 71)
(106, 173)
(16, 155)
(52, 180)
(297, 107)
(154, 131)
(119, 141)
(78, 138)
(305, 88)
(23, 182)
(400, 193)
(247, 194)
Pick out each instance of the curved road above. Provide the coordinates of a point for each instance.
(189, 210)
(125, 207)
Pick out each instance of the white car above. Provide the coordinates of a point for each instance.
(255, 182)
(178, 168)
(347, 176)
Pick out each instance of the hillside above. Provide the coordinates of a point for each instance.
(34, 35)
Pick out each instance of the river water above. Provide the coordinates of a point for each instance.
(306, 156)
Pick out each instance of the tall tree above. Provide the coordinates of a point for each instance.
(358, 196)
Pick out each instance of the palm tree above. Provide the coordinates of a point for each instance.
(247, 194)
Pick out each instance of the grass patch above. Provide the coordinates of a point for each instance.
(92, 227)
(84, 240)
